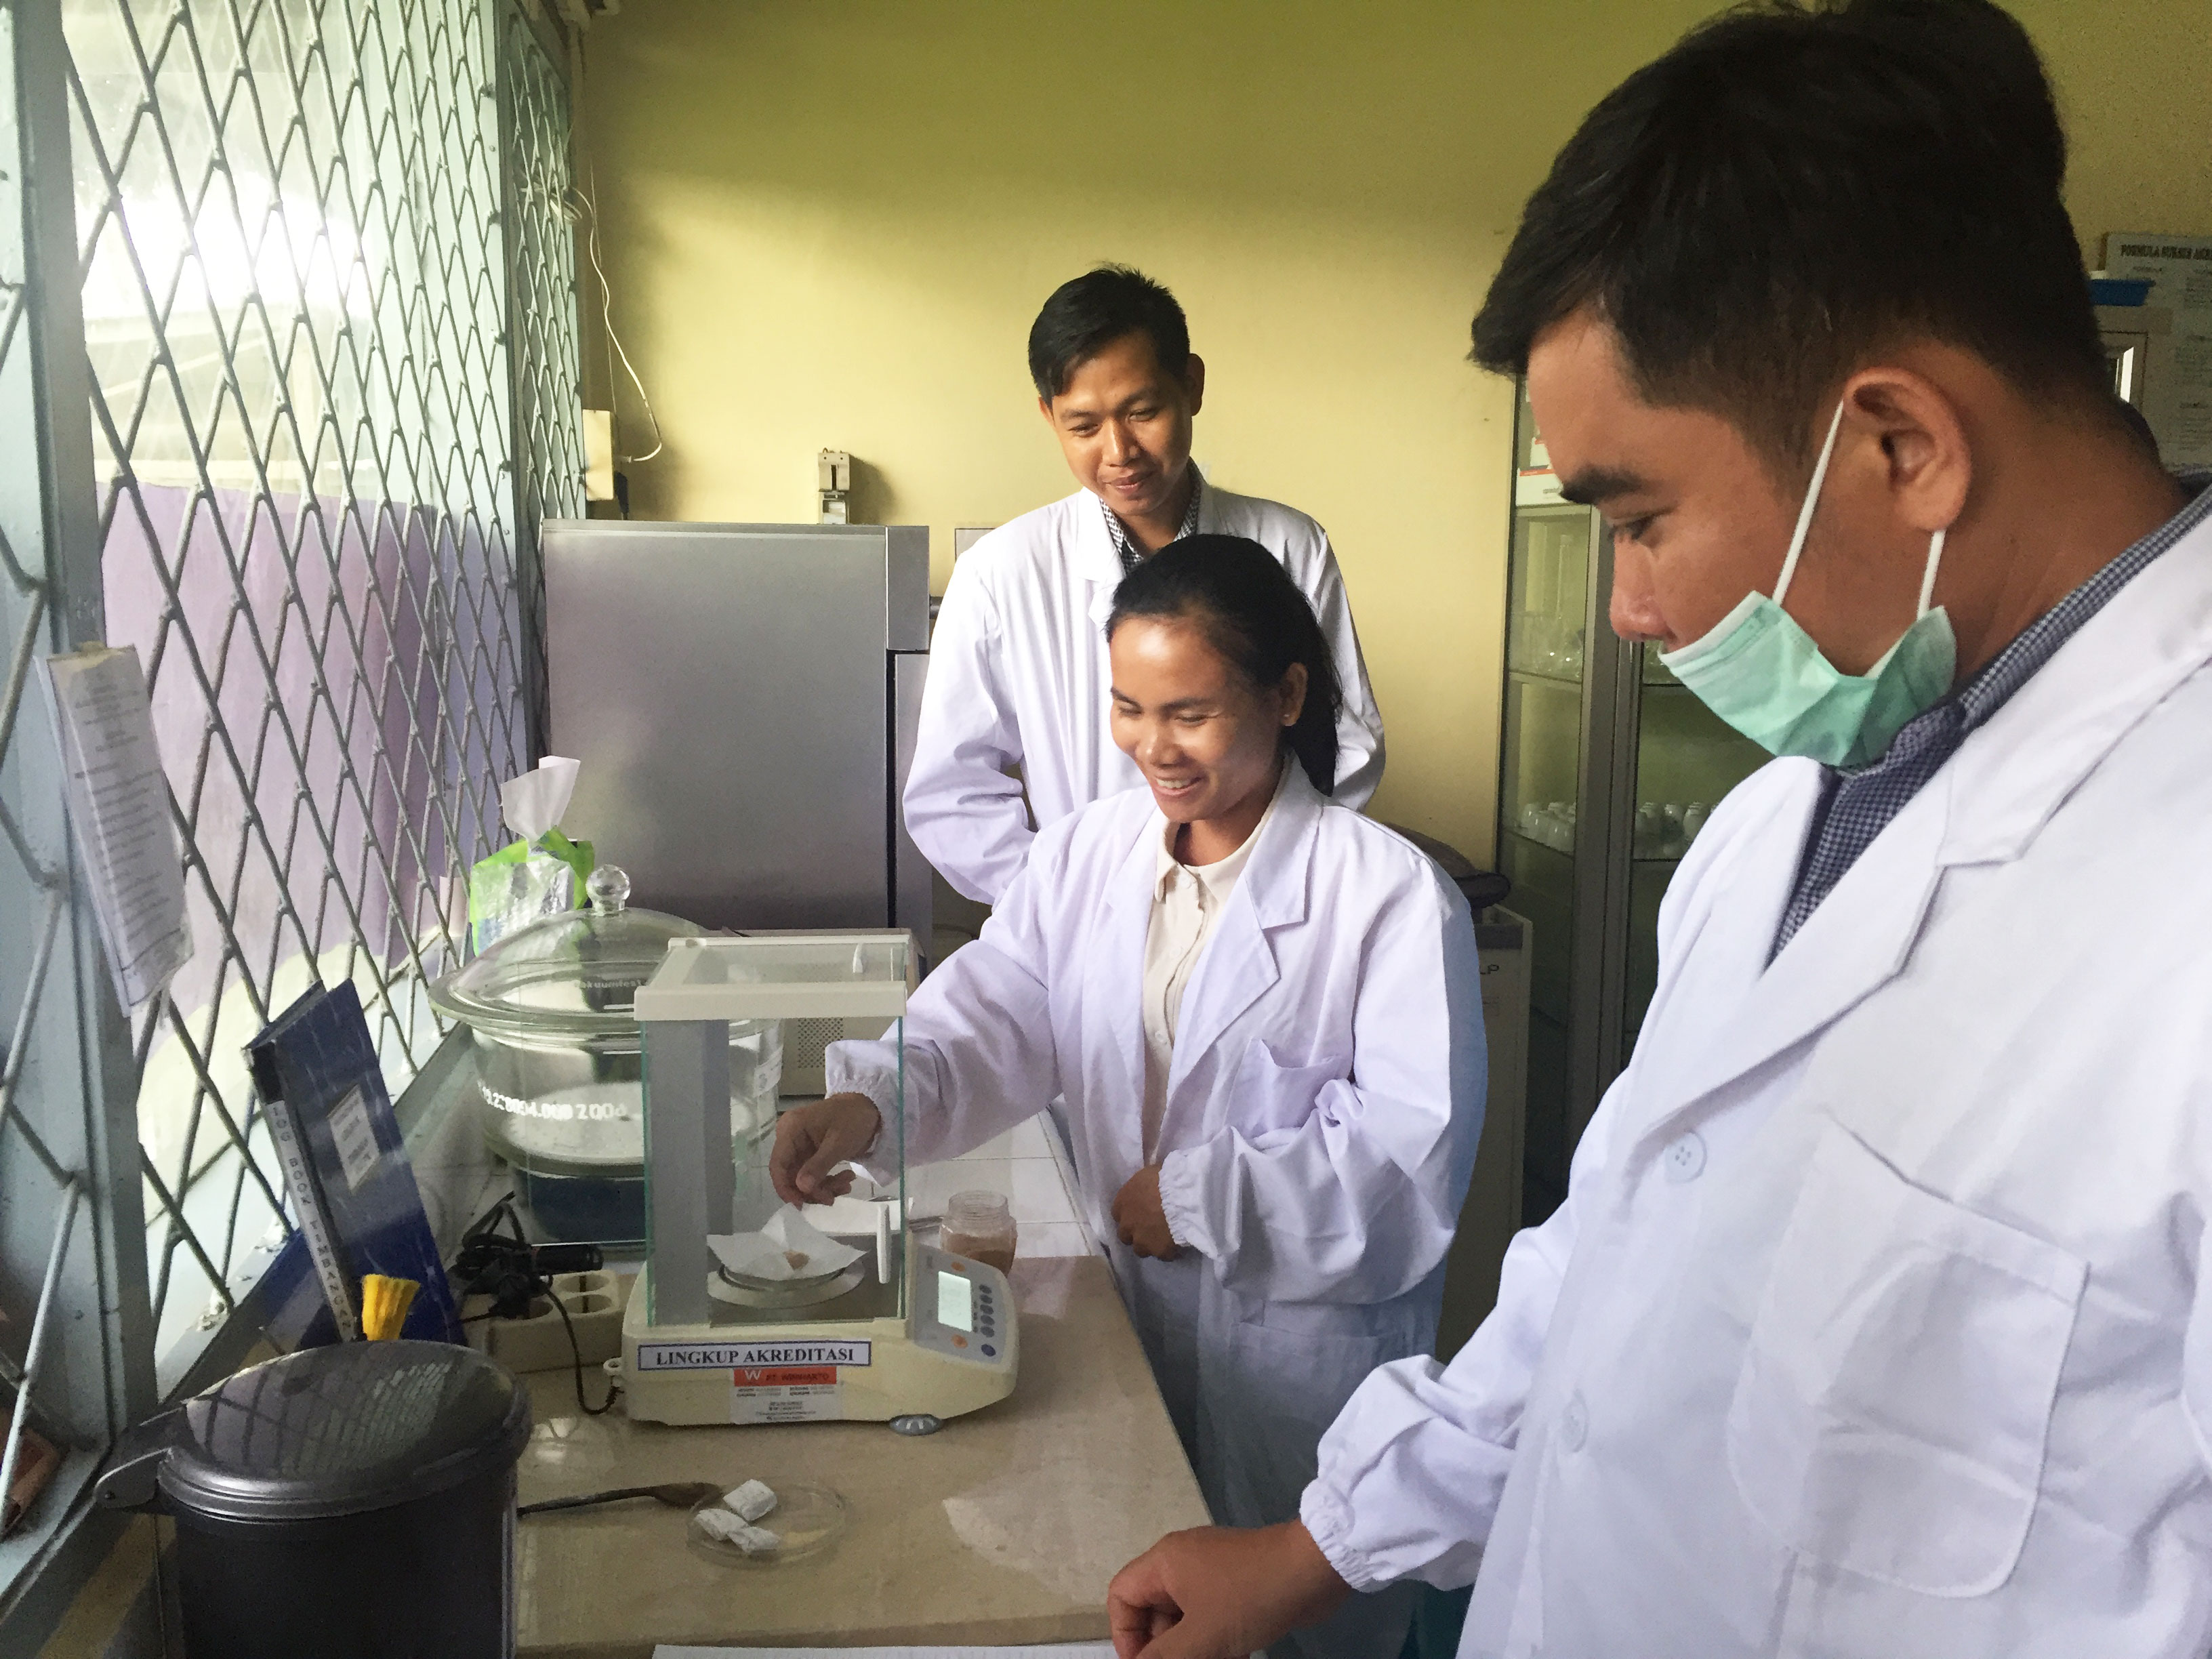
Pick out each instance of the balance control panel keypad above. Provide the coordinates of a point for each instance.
(963, 1309)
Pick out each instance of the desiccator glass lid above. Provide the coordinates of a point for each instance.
(570, 977)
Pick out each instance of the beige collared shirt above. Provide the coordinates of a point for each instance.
(1188, 902)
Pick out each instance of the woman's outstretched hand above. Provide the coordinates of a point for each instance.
(813, 1139)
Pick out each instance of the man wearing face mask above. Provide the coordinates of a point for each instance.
(1877, 1323)
(1018, 675)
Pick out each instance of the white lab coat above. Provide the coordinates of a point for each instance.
(1019, 677)
(1321, 1121)
(1875, 1323)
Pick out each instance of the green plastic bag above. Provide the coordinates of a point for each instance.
(524, 882)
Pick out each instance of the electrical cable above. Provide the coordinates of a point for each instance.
(591, 222)
(514, 1272)
(577, 1354)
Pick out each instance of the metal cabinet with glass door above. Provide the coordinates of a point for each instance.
(1609, 767)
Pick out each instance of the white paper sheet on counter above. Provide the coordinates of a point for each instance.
(1065, 1650)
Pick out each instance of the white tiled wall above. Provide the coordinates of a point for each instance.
(1028, 1166)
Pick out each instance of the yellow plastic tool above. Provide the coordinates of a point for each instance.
(384, 1304)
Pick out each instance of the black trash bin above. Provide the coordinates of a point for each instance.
(351, 1502)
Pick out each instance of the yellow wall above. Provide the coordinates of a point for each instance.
(830, 225)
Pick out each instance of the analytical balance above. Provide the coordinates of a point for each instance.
(748, 1311)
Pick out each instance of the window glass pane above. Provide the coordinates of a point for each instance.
(295, 303)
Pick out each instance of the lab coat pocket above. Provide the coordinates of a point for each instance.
(1896, 1393)
(1270, 1094)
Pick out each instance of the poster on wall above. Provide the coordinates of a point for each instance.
(2178, 388)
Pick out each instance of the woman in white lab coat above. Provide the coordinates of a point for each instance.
(1264, 1011)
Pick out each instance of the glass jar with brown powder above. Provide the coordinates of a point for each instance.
(980, 1225)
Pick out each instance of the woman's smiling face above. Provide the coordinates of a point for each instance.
(1206, 740)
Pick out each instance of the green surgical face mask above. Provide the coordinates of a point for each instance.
(1762, 673)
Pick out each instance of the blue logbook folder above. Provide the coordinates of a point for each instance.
(353, 1190)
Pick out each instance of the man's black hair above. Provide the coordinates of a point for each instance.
(1085, 316)
(1249, 610)
(1796, 186)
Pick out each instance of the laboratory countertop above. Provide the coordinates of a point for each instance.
(1002, 1527)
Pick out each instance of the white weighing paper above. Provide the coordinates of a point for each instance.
(355, 1137)
(788, 1247)
(751, 1501)
(119, 808)
(735, 1529)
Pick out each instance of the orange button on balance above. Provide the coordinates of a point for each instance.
(959, 1341)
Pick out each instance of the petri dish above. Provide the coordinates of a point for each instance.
(807, 1521)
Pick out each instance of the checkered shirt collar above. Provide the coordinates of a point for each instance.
(1126, 549)
(1857, 807)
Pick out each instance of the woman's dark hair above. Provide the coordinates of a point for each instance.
(1240, 596)
(1085, 316)
(1799, 184)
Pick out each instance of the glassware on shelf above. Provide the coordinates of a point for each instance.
(1550, 586)
(1649, 831)
(1550, 823)
(1547, 644)
(1665, 831)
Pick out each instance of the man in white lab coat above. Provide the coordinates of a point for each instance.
(1018, 676)
(1877, 1323)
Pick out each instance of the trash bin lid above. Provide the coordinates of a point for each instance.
(343, 1430)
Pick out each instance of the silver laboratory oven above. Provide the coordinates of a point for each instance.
(743, 698)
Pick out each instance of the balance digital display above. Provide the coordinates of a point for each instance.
(956, 1302)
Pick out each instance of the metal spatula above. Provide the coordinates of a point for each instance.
(679, 1494)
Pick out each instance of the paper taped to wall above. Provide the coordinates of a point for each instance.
(119, 807)
(2178, 391)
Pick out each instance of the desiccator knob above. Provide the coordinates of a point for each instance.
(608, 888)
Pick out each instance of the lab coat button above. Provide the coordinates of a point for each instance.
(1685, 1157)
(1574, 1425)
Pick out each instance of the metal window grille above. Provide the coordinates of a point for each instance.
(289, 371)
(542, 220)
(72, 1348)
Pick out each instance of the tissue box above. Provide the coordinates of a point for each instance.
(525, 882)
